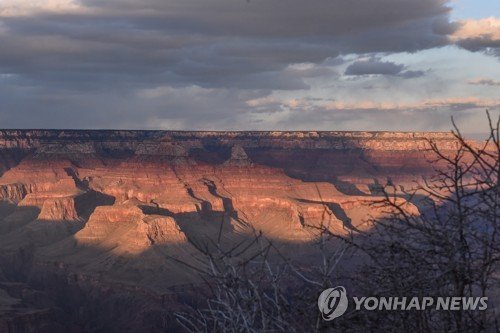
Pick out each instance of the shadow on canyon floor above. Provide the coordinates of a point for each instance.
(103, 287)
(96, 288)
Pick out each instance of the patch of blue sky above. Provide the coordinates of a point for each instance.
(474, 9)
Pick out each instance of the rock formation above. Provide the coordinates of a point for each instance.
(103, 211)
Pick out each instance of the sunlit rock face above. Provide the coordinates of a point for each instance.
(106, 210)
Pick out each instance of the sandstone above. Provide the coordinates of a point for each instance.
(163, 230)
(238, 157)
(110, 209)
(13, 192)
(278, 182)
(59, 209)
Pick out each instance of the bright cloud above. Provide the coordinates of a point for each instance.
(484, 81)
(487, 28)
(14, 8)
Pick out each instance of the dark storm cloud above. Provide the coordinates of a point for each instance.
(411, 74)
(480, 44)
(270, 18)
(64, 66)
(169, 108)
(218, 43)
(375, 66)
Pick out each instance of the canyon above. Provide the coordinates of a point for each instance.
(91, 220)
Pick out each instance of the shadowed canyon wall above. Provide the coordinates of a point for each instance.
(89, 219)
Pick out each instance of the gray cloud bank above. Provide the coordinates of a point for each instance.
(97, 64)
(375, 66)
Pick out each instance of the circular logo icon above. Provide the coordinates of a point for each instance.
(333, 303)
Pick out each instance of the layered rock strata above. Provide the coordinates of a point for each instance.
(115, 211)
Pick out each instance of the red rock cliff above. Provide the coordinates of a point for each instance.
(107, 207)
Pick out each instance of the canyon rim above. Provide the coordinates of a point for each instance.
(97, 226)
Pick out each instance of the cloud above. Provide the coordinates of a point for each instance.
(478, 35)
(93, 44)
(469, 121)
(329, 105)
(486, 29)
(303, 105)
(424, 115)
(162, 107)
(455, 103)
(272, 18)
(195, 63)
(484, 81)
(375, 66)
(12, 8)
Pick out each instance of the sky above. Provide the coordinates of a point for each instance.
(396, 65)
